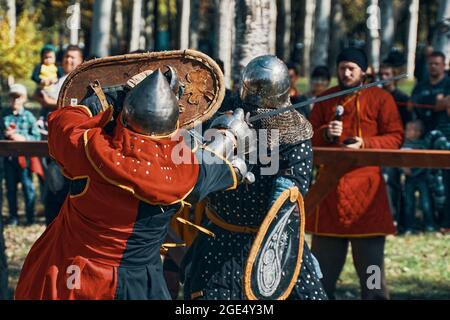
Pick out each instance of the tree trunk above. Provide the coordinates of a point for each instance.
(284, 23)
(413, 21)
(185, 8)
(194, 23)
(150, 25)
(337, 36)
(117, 40)
(373, 35)
(442, 34)
(11, 14)
(253, 32)
(101, 28)
(387, 27)
(297, 32)
(225, 30)
(308, 35)
(173, 26)
(73, 23)
(321, 33)
(272, 11)
(136, 19)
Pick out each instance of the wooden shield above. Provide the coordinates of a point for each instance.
(201, 77)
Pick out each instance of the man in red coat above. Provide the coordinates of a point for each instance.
(357, 211)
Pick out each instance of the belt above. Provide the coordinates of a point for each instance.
(214, 218)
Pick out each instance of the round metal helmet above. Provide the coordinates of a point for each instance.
(151, 108)
(265, 82)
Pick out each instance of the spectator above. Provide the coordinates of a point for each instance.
(46, 74)
(396, 59)
(320, 80)
(57, 186)
(388, 71)
(370, 75)
(294, 77)
(416, 180)
(421, 63)
(432, 101)
(431, 98)
(357, 211)
(393, 175)
(20, 125)
(72, 58)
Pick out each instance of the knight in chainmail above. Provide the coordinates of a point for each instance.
(214, 266)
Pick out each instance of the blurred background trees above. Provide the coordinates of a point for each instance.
(304, 32)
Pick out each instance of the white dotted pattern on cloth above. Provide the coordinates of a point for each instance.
(238, 207)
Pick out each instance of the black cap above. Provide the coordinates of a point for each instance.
(354, 55)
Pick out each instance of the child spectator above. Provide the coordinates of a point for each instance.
(416, 180)
(47, 73)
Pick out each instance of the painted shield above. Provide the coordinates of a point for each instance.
(273, 266)
(200, 78)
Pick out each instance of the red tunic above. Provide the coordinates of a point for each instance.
(358, 206)
(79, 255)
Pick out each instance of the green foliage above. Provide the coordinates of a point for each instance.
(18, 57)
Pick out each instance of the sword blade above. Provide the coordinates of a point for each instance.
(323, 98)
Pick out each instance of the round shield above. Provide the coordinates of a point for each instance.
(273, 265)
(200, 79)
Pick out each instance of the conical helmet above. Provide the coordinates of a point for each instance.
(151, 108)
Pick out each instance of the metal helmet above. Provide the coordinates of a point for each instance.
(265, 82)
(151, 108)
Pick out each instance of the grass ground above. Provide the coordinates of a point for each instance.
(417, 266)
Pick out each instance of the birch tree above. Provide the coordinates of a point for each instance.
(150, 25)
(73, 23)
(284, 23)
(413, 21)
(11, 15)
(253, 32)
(136, 23)
(185, 8)
(194, 24)
(225, 35)
(337, 34)
(373, 34)
(308, 34)
(117, 35)
(441, 40)
(321, 33)
(101, 28)
(387, 27)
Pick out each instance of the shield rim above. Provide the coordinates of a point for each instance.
(186, 53)
(294, 195)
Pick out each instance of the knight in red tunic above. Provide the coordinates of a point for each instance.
(125, 188)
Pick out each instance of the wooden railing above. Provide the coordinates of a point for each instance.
(335, 161)
(338, 161)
